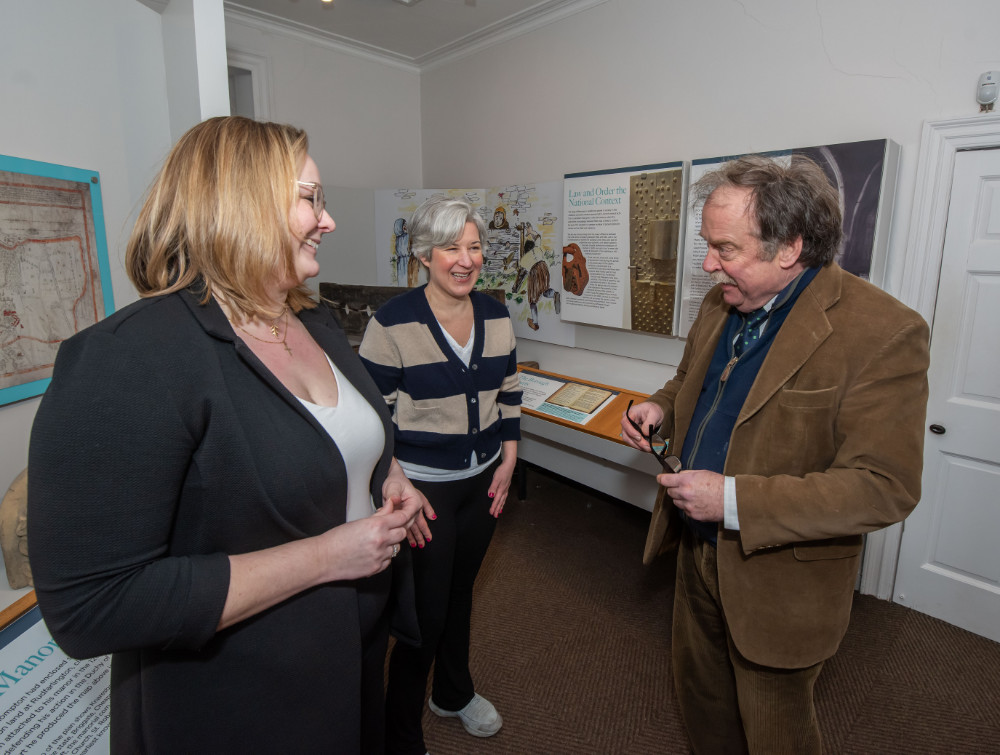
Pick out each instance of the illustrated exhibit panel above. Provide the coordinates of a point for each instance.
(621, 248)
(620, 251)
(521, 256)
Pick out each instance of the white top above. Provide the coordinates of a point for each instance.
(356, 429)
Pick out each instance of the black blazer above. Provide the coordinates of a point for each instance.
(162, 446)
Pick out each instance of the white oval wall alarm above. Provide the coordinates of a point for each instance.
(988, 90)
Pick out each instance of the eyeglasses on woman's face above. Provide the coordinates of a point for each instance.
(318, 198)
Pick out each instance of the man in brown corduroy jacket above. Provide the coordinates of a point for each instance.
(797, 412)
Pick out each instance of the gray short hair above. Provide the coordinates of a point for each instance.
(786, 202)
(439, 222)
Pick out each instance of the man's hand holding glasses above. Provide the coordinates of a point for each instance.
(697, 493)
(638, 425)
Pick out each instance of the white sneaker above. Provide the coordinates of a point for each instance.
(479, 717)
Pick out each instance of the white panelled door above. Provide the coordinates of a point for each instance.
(949, 562)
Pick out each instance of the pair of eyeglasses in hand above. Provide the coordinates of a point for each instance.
(657, 445)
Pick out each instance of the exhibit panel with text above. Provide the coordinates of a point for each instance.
(620, 248)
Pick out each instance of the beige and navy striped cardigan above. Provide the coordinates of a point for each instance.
(443, 410)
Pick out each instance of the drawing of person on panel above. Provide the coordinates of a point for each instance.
(401, 250)
(499, 222)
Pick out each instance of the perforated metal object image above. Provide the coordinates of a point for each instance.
(654, 227)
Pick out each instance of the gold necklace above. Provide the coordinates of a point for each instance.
(274, 332)
(274, 323)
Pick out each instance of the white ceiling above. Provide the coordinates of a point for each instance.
(417, 33)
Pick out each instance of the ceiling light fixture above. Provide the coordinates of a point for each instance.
(408, 2)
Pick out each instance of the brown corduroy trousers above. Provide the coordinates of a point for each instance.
(729, 704)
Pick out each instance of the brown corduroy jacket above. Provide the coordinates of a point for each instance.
(828, 446)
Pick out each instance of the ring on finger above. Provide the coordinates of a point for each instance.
(395, 550)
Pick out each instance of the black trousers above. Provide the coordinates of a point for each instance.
(444, 572)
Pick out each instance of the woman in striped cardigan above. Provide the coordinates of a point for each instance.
(443, 356)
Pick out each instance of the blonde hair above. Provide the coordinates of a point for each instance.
(218, 215)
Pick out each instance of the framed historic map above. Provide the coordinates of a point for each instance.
(54, 278)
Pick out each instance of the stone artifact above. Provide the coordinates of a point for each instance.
(14, 533)
(575, 275)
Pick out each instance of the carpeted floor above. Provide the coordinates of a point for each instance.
(571, 642)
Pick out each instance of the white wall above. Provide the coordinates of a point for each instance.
(82, 85)
(194, 49)
(363, 121)
(632, 82)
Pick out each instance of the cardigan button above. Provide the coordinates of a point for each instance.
(475, 366)
(474, 431)
(473, 401)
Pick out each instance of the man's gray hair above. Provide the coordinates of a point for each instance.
(785, 202)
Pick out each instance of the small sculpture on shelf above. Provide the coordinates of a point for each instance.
(14, 533)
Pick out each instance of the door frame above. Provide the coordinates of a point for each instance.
(259, 68)
(939, 142)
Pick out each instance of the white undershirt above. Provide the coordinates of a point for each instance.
(356, 429)
(433, 474)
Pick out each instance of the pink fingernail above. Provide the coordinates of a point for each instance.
(491, 495)
(434, 517)
(421, 545)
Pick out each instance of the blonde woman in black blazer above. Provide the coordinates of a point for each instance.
(195, 502)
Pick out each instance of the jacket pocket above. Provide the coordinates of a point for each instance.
(793, 434)
(837, 547)
(817, 399)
